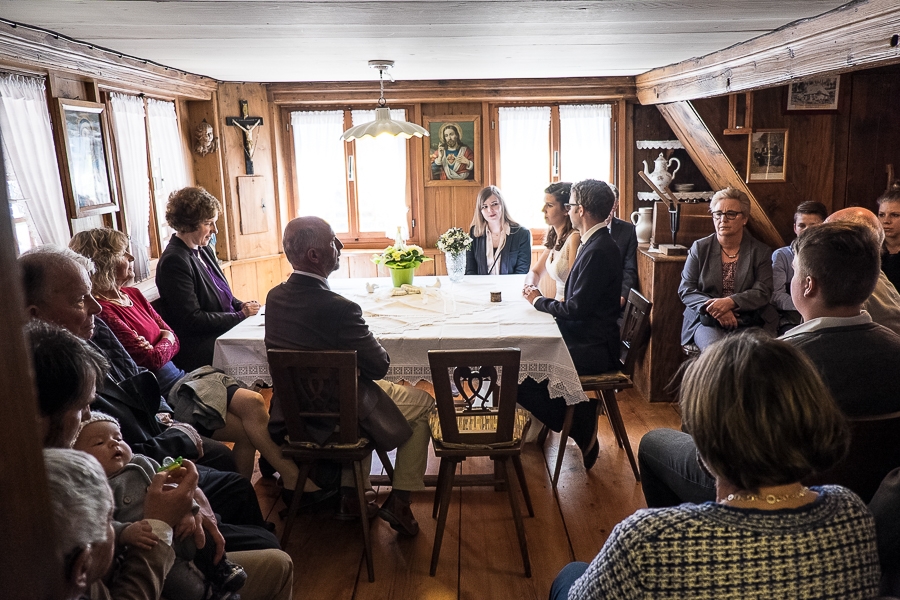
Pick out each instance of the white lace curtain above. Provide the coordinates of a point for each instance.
(319, 165)
(525, 161)
(585, 143)
(26, 130)
(131, 148)
(167, 162)
(381, 179)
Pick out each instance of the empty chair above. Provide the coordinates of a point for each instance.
(486, 423)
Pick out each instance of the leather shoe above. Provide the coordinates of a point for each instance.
(349, 508)
(308, 499)
(398, 514)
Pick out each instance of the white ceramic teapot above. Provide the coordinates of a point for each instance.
(660, 175)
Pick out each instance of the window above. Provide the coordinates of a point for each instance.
(167, 161)
(36, 198)
(361, 187)
(532, 155)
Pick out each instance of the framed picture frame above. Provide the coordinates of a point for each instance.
(767, 156)
(86, 169)
(453, 150)
(816, 94)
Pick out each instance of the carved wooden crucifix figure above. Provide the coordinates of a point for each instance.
(246, 124)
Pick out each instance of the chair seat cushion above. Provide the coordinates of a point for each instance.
(360, 443)
(476, 423)
(604, 378)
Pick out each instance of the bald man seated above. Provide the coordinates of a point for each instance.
(304, 314)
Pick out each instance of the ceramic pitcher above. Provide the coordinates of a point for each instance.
(643, 224)
(661, 175)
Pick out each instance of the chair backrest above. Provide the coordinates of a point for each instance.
(487, 381)
(874, 452)
(314, 388)
(635, 329)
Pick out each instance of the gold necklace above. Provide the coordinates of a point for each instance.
(768, 498)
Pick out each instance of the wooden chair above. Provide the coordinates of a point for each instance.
(485, 423)
(634, 334)
(874, 452)
(319, 386)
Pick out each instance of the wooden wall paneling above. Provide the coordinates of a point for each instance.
(269, 273)
(278, 172)
(853, 36)
(244, 280)
(708, 155)
(29, 568)
(208, 170)
(439, 213)
(415, 192)
(624, 155)
(42, 49)
(232, 148)
(491, 142)
(874, 129)
(252, 203)
(65, 85)
(457, 91)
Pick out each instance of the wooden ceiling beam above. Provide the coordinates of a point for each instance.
(37, 48)
(856, 35)
(714, 164)
(508, 90)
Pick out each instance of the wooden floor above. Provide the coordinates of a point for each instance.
(480, 556)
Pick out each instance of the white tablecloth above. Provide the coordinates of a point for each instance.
(452, 317)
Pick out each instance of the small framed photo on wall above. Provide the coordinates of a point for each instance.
(85, 169)
(767, 156)
(818, 94)
(453, 151)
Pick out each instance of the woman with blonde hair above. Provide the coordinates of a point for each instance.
(763, 421)
(726, 283)
(561, 242)
(240, 413)
(500, 245)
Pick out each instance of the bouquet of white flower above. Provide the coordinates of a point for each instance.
(400, 257)
(454, 241)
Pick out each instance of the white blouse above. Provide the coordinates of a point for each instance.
(558, 265)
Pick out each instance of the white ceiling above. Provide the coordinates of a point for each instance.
(332, 40)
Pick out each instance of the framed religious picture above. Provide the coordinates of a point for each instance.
(767, 158)
(818, 94)
(86, 170)
(453, 150)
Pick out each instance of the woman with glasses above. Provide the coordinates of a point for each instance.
(727, 279)
(194, 297)
(561, 242)
(501, 246)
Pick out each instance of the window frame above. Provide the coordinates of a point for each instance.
(355, 238)
(538, 235)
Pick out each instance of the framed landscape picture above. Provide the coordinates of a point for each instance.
(85, 168)
(453, 150)
(814, 94)
(767, 156)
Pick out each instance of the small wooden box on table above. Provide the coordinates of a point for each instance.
(659, 277)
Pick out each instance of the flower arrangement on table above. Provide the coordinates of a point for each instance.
(454, 241)
(402, 260)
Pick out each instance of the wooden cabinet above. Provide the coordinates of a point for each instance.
(658, 279)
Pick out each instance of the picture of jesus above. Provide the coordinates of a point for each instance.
(453, 159)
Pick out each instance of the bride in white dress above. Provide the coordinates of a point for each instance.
(561, 241)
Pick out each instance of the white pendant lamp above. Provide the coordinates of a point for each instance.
(383, 124)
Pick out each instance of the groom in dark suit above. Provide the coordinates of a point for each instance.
(587, 317)
(304, 314)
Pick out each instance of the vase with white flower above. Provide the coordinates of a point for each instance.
(402, 259)
(454, 243)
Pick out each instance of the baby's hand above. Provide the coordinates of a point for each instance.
(139, 534)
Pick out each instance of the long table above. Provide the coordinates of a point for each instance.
(452, 316)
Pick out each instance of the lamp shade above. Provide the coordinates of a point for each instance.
(384, 125)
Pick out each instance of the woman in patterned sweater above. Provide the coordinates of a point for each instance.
(763, 421)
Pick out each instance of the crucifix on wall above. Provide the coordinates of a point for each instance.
(246, 124)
